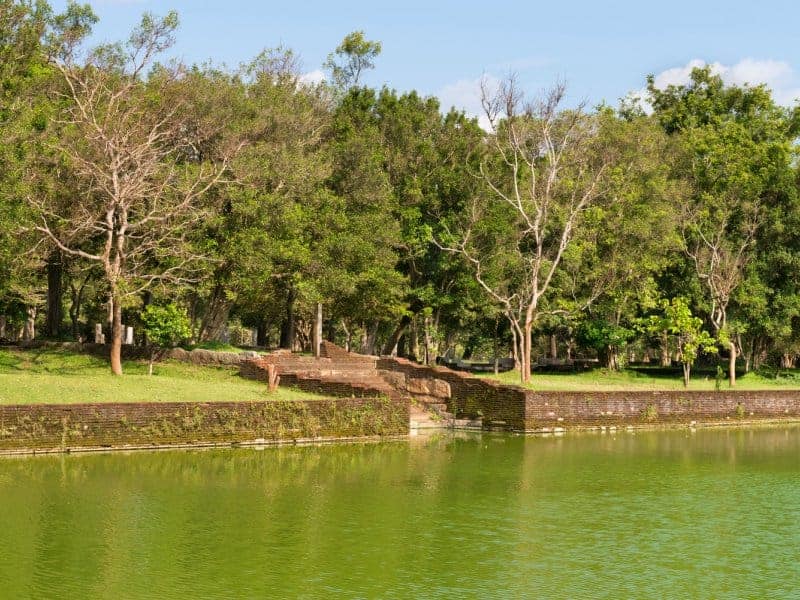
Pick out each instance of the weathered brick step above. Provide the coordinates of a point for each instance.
(322, 365)
(354, 375)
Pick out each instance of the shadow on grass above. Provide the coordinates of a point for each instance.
(56, 362)
(11, 361)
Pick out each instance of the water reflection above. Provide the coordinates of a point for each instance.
(649, 514)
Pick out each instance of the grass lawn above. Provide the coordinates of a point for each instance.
(56, 376)
(599, 380)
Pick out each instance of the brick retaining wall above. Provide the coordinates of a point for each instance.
(591, 409)
(520, 409)
(119, 425)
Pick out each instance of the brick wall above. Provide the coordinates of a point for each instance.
(520, 409)
(549, 409)
(62, 427)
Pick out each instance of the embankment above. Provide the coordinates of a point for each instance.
(74, 427)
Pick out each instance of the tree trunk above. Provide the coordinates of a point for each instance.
(553, 346)
(368, 338)
(317, 333)
(687, 371)
(261, 334)
(76, 302)
(29, 330)
(348, 336)
(469, 349)
(3, 323)
(402, 346)
(666, 359)
(429, 360)
(391, 343)
(732, 364)
(515, 348)
(744, 353)
(609, 358)
(413, 342)
(74, 315)
(329, 331)
(110, 312)
(116, 335)
(613, 359)
(288, 325)
(217, 315)
(759, 353)
(55, 309)
(527, 346)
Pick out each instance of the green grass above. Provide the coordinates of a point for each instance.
(57, 376)
(600, 380)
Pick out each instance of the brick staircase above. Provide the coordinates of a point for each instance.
(340, 373)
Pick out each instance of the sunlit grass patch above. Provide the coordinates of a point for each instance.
(58, 376)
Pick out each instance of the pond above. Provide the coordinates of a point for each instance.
(711, 513)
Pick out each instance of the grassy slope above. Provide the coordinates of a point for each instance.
(601, 380)
(55, 376)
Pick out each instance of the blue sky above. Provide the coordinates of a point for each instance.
(602, 49)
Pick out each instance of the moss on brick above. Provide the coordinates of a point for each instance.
(51, 426)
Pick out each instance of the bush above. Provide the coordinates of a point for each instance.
(165, 326)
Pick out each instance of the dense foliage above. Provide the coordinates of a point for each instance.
(250, 198)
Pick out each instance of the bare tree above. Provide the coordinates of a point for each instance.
(719, 241)
(131, 144)
(545, 166)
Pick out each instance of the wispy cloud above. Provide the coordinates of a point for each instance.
(312, 77)
(777, 75)
(465, 94)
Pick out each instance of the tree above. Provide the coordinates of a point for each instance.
(545, 168)
(130, 143)
(610, 270)
(29, 34)
(737, 146)
(351, 58)
(165, 327)
(606, 338)
(685, 329)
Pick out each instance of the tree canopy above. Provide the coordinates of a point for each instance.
(249, 198)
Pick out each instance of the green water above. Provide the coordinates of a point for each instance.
(711, 514)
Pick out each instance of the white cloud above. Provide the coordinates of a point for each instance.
(778, 75)
(313, 77)
(465, 94)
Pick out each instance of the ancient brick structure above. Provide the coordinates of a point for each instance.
(454, 393)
